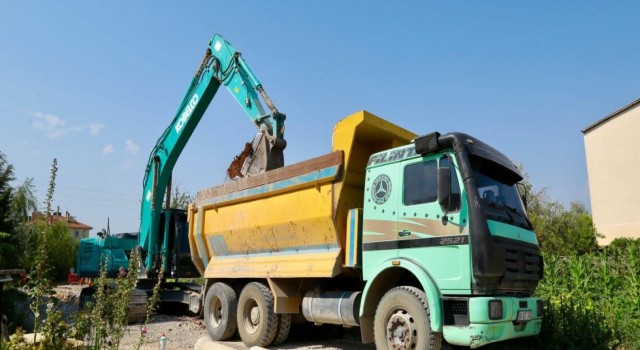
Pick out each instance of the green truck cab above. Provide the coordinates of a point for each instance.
(445, 214)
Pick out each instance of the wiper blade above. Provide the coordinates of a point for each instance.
(514, 210)
(521, 214)
(501, 207)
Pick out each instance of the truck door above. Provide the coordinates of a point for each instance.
(380, 214)
(429, 234)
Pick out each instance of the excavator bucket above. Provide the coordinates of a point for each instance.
(257, 157)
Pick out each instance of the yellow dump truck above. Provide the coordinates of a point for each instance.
(416, 240)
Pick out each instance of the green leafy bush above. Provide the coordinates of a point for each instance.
(61, 251)
(592, 301)
(102, 323)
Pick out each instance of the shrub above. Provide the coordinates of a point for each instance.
(61, 250)
(592, 301)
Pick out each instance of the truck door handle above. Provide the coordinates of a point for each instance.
(404, 233)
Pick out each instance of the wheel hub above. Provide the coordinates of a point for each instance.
(216, 312)
(401, 331)
(255, 316)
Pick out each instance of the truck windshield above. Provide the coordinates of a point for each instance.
(500, 201)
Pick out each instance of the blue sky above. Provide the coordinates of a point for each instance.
(94, 84)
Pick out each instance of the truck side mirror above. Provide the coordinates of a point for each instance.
(444, 187)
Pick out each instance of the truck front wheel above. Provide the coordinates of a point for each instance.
(257, 322)
(220, 306)
(402, 321)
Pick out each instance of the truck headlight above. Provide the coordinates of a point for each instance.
(495, 309)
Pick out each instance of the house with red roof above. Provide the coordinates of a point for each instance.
(76, 229)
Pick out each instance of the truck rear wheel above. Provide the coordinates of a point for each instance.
(220, 306)
(257, 322)
(402, 321)
(284, 326)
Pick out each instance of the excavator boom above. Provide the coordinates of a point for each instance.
(221, 65)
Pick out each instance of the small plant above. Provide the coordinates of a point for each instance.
(97, 326)
(55, 329)
(40, 290)
(151, 307)
(17, 341)
(125, 284)
(102, 327)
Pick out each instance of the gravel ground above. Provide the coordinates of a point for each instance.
(182, 333)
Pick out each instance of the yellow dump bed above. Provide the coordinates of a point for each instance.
(292, 221)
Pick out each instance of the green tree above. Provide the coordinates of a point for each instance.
(560, 230)
(61, 250)
(16, 236)
(24, 200)
(9, 253)
(180, 200)
(6, 194)
(564, 231)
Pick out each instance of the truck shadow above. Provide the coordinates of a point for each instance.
(324, 336)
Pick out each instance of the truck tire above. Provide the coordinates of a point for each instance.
(284, 326)
(220, 306)
(402, 321)
(257, 322)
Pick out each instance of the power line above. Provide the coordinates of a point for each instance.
(96, 198)
(91, 190)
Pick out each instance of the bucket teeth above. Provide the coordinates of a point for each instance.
(257, 157)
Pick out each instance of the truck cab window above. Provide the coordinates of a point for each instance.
(500, 200)
(420, 183)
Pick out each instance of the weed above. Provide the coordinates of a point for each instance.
(39, 284)
(592, 301)
(151, 306)
(102, 327)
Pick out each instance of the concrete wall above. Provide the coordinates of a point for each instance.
(613, 164)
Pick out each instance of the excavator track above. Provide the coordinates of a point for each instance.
(78, 294)
(138, 306)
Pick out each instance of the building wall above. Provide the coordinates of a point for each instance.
(613, 164)
(78, 233)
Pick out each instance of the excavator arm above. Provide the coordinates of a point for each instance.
(221, 65)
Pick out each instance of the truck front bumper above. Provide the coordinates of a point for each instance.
(520, 317)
